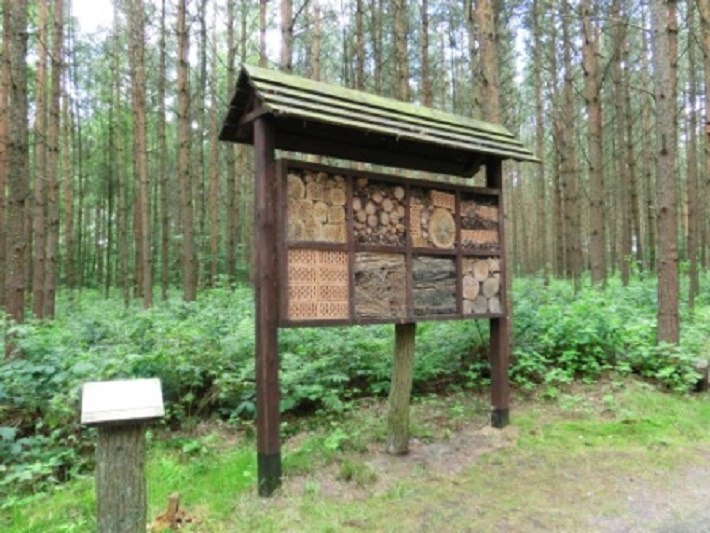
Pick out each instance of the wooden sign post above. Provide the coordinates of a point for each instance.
(121, 410)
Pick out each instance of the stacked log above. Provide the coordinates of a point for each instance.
(431, 218)
(481, 286)
(434, 290)
(380, 285)
(378, 213)
(316, 207)
(479, 225)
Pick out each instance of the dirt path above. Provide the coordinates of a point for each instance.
(672, 503)
(478, 481)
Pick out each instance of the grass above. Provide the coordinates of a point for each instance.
(571, 463)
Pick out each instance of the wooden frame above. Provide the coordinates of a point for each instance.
(458, 253)
(276, 111)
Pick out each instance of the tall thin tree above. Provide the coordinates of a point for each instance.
(189, 289)
(667, 192)
(136, 23)
(50, 278)
(39, 206)
(16, 32)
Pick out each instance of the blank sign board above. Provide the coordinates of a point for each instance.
(105, 402)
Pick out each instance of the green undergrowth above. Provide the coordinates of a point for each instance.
(203, 352)
(569, 456)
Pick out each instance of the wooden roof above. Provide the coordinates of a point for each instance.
(319, 118)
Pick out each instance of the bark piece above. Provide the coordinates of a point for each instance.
(434, 285)
(380, 285)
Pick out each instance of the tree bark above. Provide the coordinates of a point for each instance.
(568, 167)
(621, 159)
(286, 61)
(359, 46)
(39, 207)
(668, 321)
(694, 211)
(543, 252)
(427, 93)
(595, 144)
(140, 153)
(120, 479)
(213, 158)
(189, 291)
(18, 164)
(263, 60)
(400, 390)
(50, 278)
(401, 54)
(4, 125)
(163, 161)
(316, 40)
(704, 11)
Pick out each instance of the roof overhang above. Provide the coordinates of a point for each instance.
(323, 119)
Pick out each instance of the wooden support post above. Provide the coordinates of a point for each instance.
(120, 479)
(499, 327)
(400, 389)
(267, 308)
(121, 410)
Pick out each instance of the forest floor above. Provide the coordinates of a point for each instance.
(614, 456)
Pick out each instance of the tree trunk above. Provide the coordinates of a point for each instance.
(163, 162)
(4, 125)
(263, 60)
(473, 38)
(668, 321)
(694, 214)
(68, 196)
(286, 62)
(704, 10)
(595, 144)
(647, 162)
(401, 55)
(120, 479)
(140, 153)
(189, 290)
(213, 158)
(621, 159)
(542, 231)
(231, 236)
(39, 242)
(400, 389)
(18, 164)
(316, 41)
(50, 278)
(427, 94)
(359, 46)
(568, 170)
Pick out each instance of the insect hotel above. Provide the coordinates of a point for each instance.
(341, 246)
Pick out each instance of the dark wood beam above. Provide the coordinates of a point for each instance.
(267, 308)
